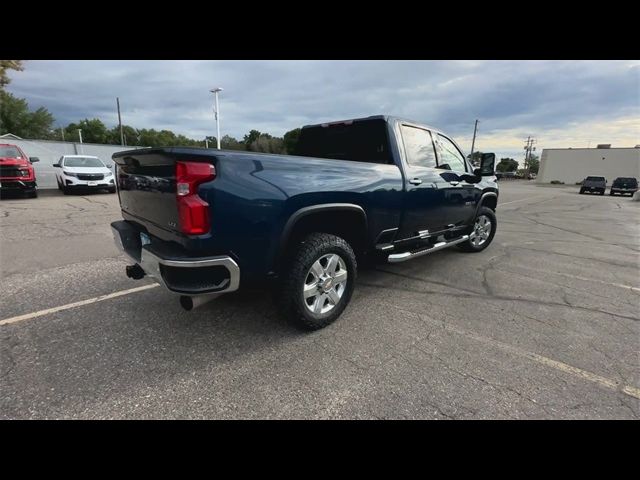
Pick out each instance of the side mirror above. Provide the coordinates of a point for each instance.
(34, 159)
(487, 165)
(57, 165)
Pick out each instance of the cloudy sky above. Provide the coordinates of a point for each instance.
(561, 103)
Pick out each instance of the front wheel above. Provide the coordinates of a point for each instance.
(484, 229)
(318, 282)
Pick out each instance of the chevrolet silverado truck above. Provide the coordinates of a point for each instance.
(16, 171)
(203, 222)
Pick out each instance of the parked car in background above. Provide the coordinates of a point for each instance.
(204, 222)
(623, 185)
(76, 172)
(16, 172)
(594, 184)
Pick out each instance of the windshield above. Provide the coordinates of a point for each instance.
(595, 179)
(9, 152)
(83, 162)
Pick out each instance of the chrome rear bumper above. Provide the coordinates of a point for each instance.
(170, 272)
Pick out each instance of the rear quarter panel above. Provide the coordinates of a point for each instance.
(254, 195)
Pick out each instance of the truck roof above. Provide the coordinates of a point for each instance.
(386, 118)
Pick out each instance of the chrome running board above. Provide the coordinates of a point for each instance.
(404, 256)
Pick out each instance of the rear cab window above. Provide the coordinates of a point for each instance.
(355, 140)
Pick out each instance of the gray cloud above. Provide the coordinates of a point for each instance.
(532, 97)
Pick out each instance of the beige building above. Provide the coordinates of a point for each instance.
(572, 165)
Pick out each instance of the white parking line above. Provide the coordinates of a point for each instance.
(516, 201)
(29, 316)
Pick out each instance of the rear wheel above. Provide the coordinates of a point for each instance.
(581, 191)
(484, 229)
(318, 281)
(33, 194)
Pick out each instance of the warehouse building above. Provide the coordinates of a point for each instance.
(572, 165)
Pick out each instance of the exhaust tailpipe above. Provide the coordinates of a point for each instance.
(189, 303)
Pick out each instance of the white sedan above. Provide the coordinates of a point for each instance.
(83, 172)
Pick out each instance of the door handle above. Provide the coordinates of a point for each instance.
(454, 183)
(415, 181)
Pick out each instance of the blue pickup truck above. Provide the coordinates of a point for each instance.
(204, 222)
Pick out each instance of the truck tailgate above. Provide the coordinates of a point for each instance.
(147, 184)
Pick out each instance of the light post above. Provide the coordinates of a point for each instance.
(215, 92)
(80, 135)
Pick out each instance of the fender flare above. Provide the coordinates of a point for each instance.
(482, 198)
(311, 209)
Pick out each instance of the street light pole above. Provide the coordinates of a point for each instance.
(215, 92)
(80, 135)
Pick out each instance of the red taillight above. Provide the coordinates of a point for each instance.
(193, 212)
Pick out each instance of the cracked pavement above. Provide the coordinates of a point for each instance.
(542, 324)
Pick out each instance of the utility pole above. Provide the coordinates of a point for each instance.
(80, 135)
(473, 142)
(62, 133)
(206, 142)
(527, 154)
(120, 122)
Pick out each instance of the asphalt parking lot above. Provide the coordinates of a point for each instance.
(542, 324)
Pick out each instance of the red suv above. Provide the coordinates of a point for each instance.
(16, 171)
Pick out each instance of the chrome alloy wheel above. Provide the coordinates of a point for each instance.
(325, 283)
(481, 231)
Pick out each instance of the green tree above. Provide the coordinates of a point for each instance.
(534, 163)
(290, 140)
(229, 143)
(16, 118)
(507, 165)
(93, 131)
(250, 138)
(8, 65)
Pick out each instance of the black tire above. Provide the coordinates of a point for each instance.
(611, 193)
(581, 191)
(33, 194)
(112, 190)
(66, 191)
(602, 192)
(291, 301)
(469, 246)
